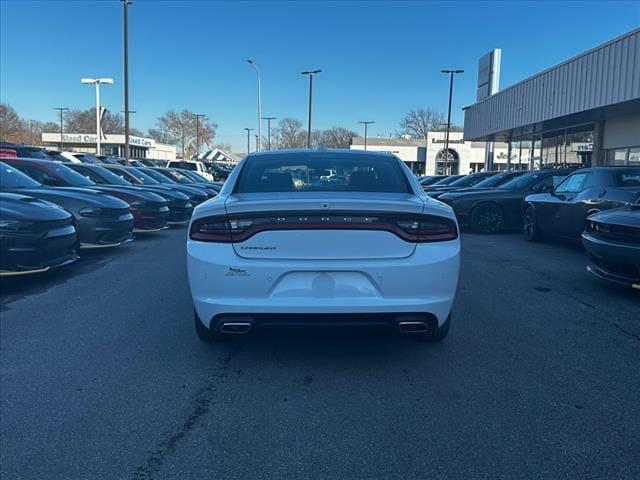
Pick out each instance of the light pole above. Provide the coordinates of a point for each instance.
(268, 119)
(125, 48)
(61, 110)
(259, 103)
(366, 124)
(451, 74)
(97, 82)
(198, 115)
(311, 73)
(249, 130)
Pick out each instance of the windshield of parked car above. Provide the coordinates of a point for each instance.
(138, 174)
(182, 178)
(13, 178)
(157, 175)
(196, 177)
(627, 177)
(498, 179)
(523, 181)
(292, 173)
(468, 180)
(110, 177)
(446, 180)
(70, 176)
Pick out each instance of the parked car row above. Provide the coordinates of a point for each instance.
(598, 206)
(50, 210)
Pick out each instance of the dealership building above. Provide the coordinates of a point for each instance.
(584, 111)
(111, 144)
(427, 156)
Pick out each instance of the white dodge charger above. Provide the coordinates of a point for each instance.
(322, 237)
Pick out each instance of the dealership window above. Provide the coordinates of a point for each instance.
(623, 156)
(565, 147)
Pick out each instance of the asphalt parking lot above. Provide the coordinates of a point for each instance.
(102, 376)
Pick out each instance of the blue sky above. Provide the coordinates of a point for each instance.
(379, 59)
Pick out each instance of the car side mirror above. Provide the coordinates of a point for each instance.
(547, 189)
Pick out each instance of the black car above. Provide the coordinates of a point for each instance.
(35, 235)
(465, 181)
(176, 175)
(25, 151)
(561, 212)
(138, 177)
(180, 207)
(102, 220)
(490, 210)
(612, 240)
(200, 180)
(163, 175)
(150, 211)
(491, 182)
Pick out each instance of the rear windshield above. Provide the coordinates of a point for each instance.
(332, 173)
(447, 180)
(184, 165)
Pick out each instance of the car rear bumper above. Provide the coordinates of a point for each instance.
(223, 283)
(615, 261)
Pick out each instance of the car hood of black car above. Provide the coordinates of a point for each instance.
(93, 198)
(625, 216)
(473, 193)
(133, 192)
(23, 208)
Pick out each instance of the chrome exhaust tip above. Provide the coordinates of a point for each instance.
(235, 327)
(412, 327)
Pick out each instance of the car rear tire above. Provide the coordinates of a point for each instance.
(437, 334)
(206, 334)
(530, 228)
(487, 218)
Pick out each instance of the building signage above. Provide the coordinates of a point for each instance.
(489, 74)
(91, 138)
(582, 147)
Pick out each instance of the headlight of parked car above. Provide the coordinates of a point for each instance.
(15, 226)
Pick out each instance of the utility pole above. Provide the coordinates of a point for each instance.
(451, 74)
(125, 7)
(311, 73)
(268, 119)
(61, 110)
(366, 124)
(249, 130)
(97, 82)
(259, 102)
(198, 116)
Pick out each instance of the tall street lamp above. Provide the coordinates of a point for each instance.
(251, 62)
(311, 73)
(61, 110)
(366, 124)
(451, 74)
(268, 119)
(249, 130)
(97, 82)
(125, 56)
(198, 116)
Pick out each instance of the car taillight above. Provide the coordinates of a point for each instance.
(239, 228)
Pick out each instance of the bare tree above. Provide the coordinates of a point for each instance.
(336, 137)
(180, 128)
(222, 146)
(11, 125)
(418, 122)
(288, 134)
